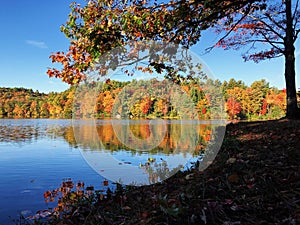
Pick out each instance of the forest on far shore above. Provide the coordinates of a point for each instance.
(257, 101)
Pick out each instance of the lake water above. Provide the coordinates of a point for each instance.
(36, 155)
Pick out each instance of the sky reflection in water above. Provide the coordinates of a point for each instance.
(36, 155)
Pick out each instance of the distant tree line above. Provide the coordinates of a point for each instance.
(257, 101)
(25, 103)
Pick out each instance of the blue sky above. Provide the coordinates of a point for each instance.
(30, 32)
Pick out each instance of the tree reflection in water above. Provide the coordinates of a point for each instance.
(26, 131)
(189, 140)
(180, 142)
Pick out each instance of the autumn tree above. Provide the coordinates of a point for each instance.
(259, 91)
(100, 26)
(276, 26)
(275, 102)
(108, 102)
(233, 107)
(34, 110)
(161, 107)
(145, 105)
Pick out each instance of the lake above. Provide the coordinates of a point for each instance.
(38, 154)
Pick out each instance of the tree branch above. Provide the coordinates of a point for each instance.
(267, 25)
(227, 34)
(272, 43)
(269, 16)
(296, 34)
(295, 10)
(215, 15)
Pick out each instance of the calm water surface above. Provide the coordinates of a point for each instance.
(37, 154)
(35, 157)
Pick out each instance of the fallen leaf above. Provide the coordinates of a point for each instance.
(233, 178)
(231, 160)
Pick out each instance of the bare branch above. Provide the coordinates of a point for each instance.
(267, 30)
(273, 43)
(295, 10)
(243, 42)
(129, 62)
(296, 20)
(270, 17)
(296, 34)
(296, 16)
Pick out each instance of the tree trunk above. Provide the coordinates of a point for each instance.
(290, 80)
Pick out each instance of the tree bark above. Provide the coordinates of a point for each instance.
(290, 74)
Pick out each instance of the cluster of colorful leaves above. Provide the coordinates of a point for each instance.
(233, 107)
(70, 197)
(77, 204)
(102, 25)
